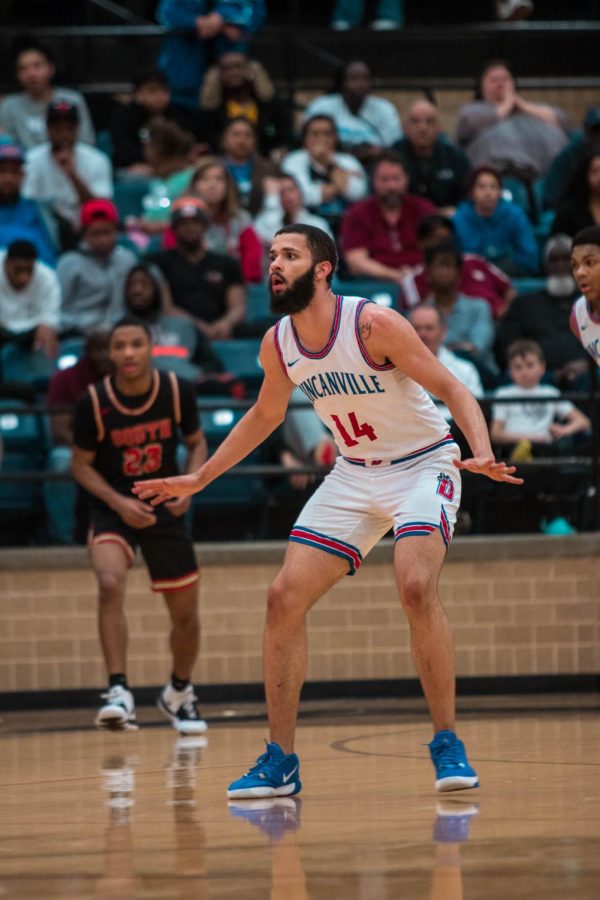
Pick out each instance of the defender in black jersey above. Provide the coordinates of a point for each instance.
(127, 428)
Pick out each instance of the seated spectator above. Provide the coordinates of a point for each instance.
(176, 340)
(379, 234)
(65, 173)
(230, 231)
(580, 207)
(131, 121)
(502, 129)
(427, 322)
(544, 316)
(478, 277)
(496, 228)
(206, 286)
(329, 180)
(284, 205)
(168, 153)
(560, 172)
(92, 276)
(29, 300)
(66, 388)
(532, 429)
(467, 320)
(23, 116)
(20, 217)
(195, 32)
(248, 169)
(240, 88)
(437, 169)
(365, 124)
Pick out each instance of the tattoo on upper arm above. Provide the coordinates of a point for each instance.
(365, 329)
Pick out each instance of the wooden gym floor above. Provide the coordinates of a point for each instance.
(144, 814)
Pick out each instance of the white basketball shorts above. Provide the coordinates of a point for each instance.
(357, 504)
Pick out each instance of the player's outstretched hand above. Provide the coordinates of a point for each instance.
(487, 465)
(157, 490)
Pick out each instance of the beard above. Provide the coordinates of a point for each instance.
(296, 297)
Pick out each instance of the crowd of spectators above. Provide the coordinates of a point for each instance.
(173, 217)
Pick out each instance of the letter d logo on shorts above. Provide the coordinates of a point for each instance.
(445, 486)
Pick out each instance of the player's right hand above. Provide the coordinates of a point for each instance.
(135, 513)
(157, 490)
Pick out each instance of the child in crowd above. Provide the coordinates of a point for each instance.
(532, 428)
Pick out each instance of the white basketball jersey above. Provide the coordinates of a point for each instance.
(587, 328)
(375, 412)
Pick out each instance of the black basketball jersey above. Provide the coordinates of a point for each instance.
(133, 442)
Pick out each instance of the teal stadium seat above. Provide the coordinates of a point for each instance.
(258, 304)
(30, 367)
(528, 285)
(244, 494)
(240, 358)
(385, 293)
(128, 196)
(24, 450)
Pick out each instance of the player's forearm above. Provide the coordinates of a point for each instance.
(196, 456)
(250, 431)
(465, 411)
(90, 479)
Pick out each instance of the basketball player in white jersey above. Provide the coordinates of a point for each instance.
(585, 314)
(367, 373)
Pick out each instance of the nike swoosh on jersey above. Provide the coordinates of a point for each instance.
(293, 362)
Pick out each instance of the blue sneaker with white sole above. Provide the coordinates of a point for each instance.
(452, 769)
(275, 774)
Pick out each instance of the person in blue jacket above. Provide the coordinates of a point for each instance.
(496, 228)
(22, 219)
(198, 31)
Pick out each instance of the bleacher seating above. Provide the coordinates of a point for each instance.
(385, 293)
(240, 357)
(30, 367)
(242, 494)
(24, 450)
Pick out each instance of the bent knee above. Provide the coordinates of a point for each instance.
(416, 592)
(111, 585)
(283, 602)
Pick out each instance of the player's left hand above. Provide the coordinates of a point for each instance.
(157, 490)
(487, 465)
(179, 505)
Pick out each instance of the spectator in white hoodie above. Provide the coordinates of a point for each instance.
(29, 299)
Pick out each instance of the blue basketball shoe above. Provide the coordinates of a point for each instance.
(275, 774)
(452, 769)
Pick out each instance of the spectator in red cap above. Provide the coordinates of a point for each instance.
(93, 275)
(65, 172)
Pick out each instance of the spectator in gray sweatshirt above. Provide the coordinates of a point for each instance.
(93, 276)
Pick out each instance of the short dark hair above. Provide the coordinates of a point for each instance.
(25, 43)
(522, 348)
(131, 322)
(151, 76)
(429, 224)
(444, 248)
(306, 125)
(589, 235)
(21, 250)
(321, 246)
(389, 156)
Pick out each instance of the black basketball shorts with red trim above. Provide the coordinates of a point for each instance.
(166, 546)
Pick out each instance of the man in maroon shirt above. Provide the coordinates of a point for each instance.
(478, 277)
(66, 388)
(379, 234)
